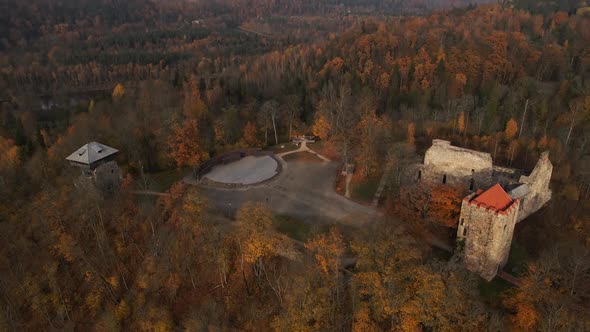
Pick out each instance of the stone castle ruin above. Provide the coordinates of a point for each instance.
(98, 165)
(488, 217)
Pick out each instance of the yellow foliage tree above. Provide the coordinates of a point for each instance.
(254, 222)
(411, 133)
(321, 127)
(512, 150)
(362, 321)
(10, 155)
(194, 107)
(327, 250)
(118, 91)
(461, 122)
(122, 310)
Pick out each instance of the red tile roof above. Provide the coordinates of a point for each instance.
(495, 198)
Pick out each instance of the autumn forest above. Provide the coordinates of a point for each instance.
(175, 84)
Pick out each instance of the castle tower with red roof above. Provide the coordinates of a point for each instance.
(486, 226)
(487, 219)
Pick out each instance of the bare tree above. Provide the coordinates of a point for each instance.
(292, 109)
(270, 108)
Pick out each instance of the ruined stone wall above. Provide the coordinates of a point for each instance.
(506, 176)
(487, 236)
(445, 163)
(538, 183)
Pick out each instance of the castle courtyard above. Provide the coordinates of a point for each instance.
(303, 189)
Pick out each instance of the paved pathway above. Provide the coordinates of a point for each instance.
(382, 184)
(149, 193)
(303, 148)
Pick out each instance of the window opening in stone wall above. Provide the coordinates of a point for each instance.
(445, 179)
(465, 231)
(462, 221)
(471, 184)
(505, 228)
(419, 175)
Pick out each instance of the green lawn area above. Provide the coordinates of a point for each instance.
(282, 147)
(441, 254)
(517, 260)
(365, 191)
(302, 156)
(491, 291)
(293, 228)
(162, 181)
(317, 147)
(304, 231)
(297, 229)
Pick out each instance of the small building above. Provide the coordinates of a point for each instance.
(98, 165)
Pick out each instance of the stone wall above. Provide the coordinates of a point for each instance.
(538, 183)
(486, 233)
(445, 163)
(487, 236)
(107, 177)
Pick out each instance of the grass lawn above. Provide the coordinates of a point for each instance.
(364, 191)
(282, 147)
(304, 231)
(441, 254)
(491, 291)
(302, 156)
(324, 149)
(517, 260)
(162, 181)
(297, 229)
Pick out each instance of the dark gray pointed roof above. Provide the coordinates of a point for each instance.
(91, 153)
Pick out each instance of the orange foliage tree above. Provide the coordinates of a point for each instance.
(193, 107)
(184, 145)
(321, 127)
(439, 204)
(445, 204)
(511, 129)
(251, 134)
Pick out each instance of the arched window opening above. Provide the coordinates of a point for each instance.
(419, 175)
(465, 231)
(445, 179)
(472, 184)
(462, 221)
